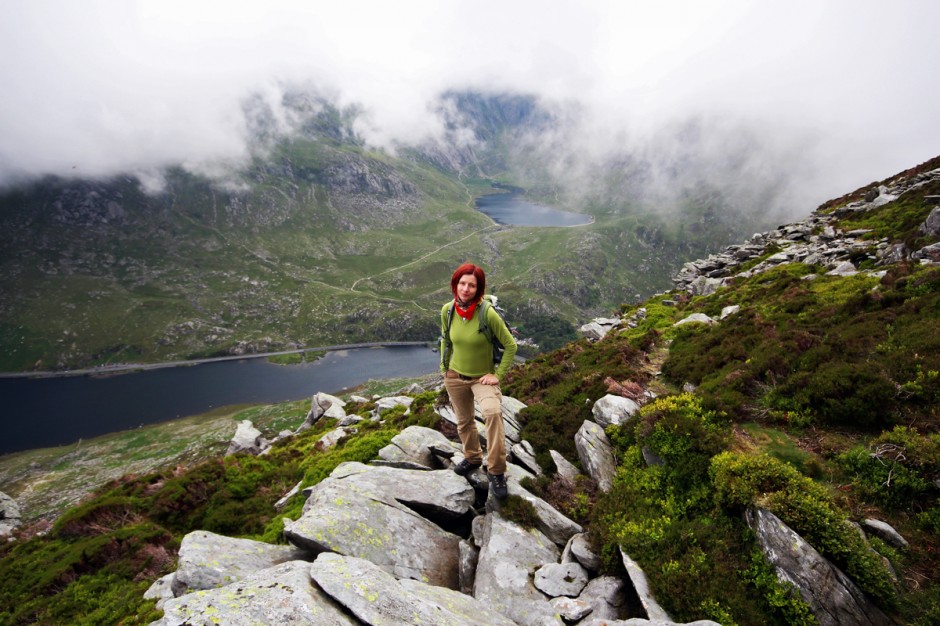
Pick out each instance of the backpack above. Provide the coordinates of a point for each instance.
(488, 301)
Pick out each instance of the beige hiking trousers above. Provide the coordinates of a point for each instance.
(463, 391)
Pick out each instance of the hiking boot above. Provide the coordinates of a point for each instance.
(498, 486)
(465, 467)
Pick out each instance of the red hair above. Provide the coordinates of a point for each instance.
(463, 270)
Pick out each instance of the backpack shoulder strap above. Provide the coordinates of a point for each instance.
(485, 305)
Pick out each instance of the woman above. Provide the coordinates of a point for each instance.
(470, 373)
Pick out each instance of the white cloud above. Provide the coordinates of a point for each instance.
(107, 85)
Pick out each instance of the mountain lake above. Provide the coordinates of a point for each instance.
(53, 411)
(506, 207)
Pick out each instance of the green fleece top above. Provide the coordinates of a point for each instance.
(472, 353)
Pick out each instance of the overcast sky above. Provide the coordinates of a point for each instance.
(91, 87)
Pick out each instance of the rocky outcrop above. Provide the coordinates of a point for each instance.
(832, 596)
(405, 540)
(9, 515)
(614, 410)
(247, 439)
(814, 241)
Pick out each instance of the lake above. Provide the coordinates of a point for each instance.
(45, 412)
(507, 207)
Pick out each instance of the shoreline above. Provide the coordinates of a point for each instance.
(129, 368)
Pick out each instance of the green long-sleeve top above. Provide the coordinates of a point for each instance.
(472, 353)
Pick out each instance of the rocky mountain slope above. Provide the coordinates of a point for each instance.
(762, 449)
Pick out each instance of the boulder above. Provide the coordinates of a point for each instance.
(607, 597)
(323, 405)
(509, 556)
(283, 594)
(247, 439)
(845, 268)
(931, 226)
(614, 410)
(831, 595)
(564, 468)
(561, 579)
(696, 318)
(885, 531)
(439, 494)
(596, 454)
(333, 437)
(571, 609)
(579, 549)
(376, 597)
(358, 511)
(382, 405)
(414, 445)
(9, 515)
(208, 560)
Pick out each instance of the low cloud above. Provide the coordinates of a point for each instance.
(839, 93)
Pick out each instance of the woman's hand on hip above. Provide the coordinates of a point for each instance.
(489, 379)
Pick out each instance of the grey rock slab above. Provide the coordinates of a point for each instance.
(414, 445)
(885, 531)
(509, 556)
(607, 597)
(439, 494)
(636, 621)
(612, 409)
(524, 455)
(571, 609)
(641, 586)
(564, 468)
(283, 594)
(579, 549)
(208, 560)
(323, 405)
(376, 597)
(833, 598)
(551, 522)
(359, 520)
(596, 454)
(561, 579)
(333, 437)
(469, 555)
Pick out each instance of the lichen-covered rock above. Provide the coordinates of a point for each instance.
(551, 522)
(509, 556)
(413, 445)
(613, 409)
(283, 594)
(561, 579)
(208, 560)
(376, 597)
(354, 513)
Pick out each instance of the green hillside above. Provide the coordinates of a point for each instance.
(817, 400)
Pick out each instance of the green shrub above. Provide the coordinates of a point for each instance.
(897, 470)
(742, 480)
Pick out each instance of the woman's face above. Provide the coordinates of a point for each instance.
(467, 288)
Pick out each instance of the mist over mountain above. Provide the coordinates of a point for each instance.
(322, 239)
